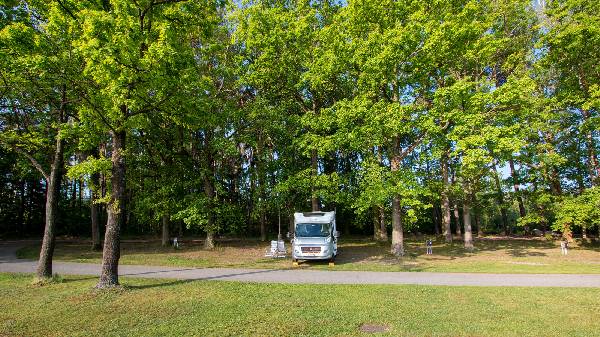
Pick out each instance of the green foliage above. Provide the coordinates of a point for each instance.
(580, 211)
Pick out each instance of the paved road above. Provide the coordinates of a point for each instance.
(9, 263)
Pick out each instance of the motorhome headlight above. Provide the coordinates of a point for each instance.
(328, 240)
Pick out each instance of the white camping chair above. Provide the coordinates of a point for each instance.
(277, 249)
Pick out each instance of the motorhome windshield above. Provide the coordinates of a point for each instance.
(313, 229)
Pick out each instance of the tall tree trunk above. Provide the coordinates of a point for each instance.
(116, 215)
(376, 228)
(314, 199)
(165, 230)
(209, 191)
(467, 217)
(445, 199)
(397, 227)
(436, 219)
(457, 219)
(261, 181)
(516, 186)
(500, 201)
(381, 234)
(95, 212)
(477, 221)
(382, 227)
(44, 267)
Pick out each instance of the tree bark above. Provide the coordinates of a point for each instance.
(44, 267)
(445, 199)
(116, 207)
(376, 228)
(436, 219)
(165, 230)
(467, 218)
(500, 201)
(209, 190)
(397, 248)
(382, 227)
(516, 183)
(457, 219)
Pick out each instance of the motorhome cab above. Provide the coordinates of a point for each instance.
(315, 236)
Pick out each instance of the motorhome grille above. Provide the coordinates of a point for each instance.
(311, 249)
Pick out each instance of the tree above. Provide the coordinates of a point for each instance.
(136, 60)
(40, 74)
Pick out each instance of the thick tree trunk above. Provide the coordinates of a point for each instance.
(445, 201)
(116, 215)
(467, 220)
(165, 230)
(44, 267)
(397, 227)
(314, 199)
(95, 213)
(516, 186)
(209, 243)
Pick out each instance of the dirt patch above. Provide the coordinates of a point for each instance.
(373, 328)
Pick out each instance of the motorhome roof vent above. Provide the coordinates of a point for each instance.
(313, 213)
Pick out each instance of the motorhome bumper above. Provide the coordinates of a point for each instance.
(324, 253)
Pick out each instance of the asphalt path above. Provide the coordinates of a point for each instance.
(9, 263)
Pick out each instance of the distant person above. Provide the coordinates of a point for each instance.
(564, 247)
(429, 247)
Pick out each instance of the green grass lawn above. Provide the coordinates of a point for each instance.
(490, 256)
(210, 308)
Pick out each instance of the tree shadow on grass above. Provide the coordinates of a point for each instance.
(158, 285)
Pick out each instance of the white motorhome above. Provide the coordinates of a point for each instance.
(315, 236)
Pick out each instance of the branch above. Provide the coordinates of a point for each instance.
(33, 161)
(163, 2)
(412, 146)
(66, 9)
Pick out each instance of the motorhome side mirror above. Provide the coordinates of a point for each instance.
(336, 234)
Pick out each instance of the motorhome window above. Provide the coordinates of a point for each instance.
(313, 229)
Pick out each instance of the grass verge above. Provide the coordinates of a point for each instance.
(210, 308)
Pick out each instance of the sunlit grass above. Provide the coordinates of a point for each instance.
(489, 256)
(210, 308)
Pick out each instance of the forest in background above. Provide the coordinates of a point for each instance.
(210, 118)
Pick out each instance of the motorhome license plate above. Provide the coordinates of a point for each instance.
(311, 250)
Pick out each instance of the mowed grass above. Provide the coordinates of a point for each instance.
(210, 308)
(491, 255)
